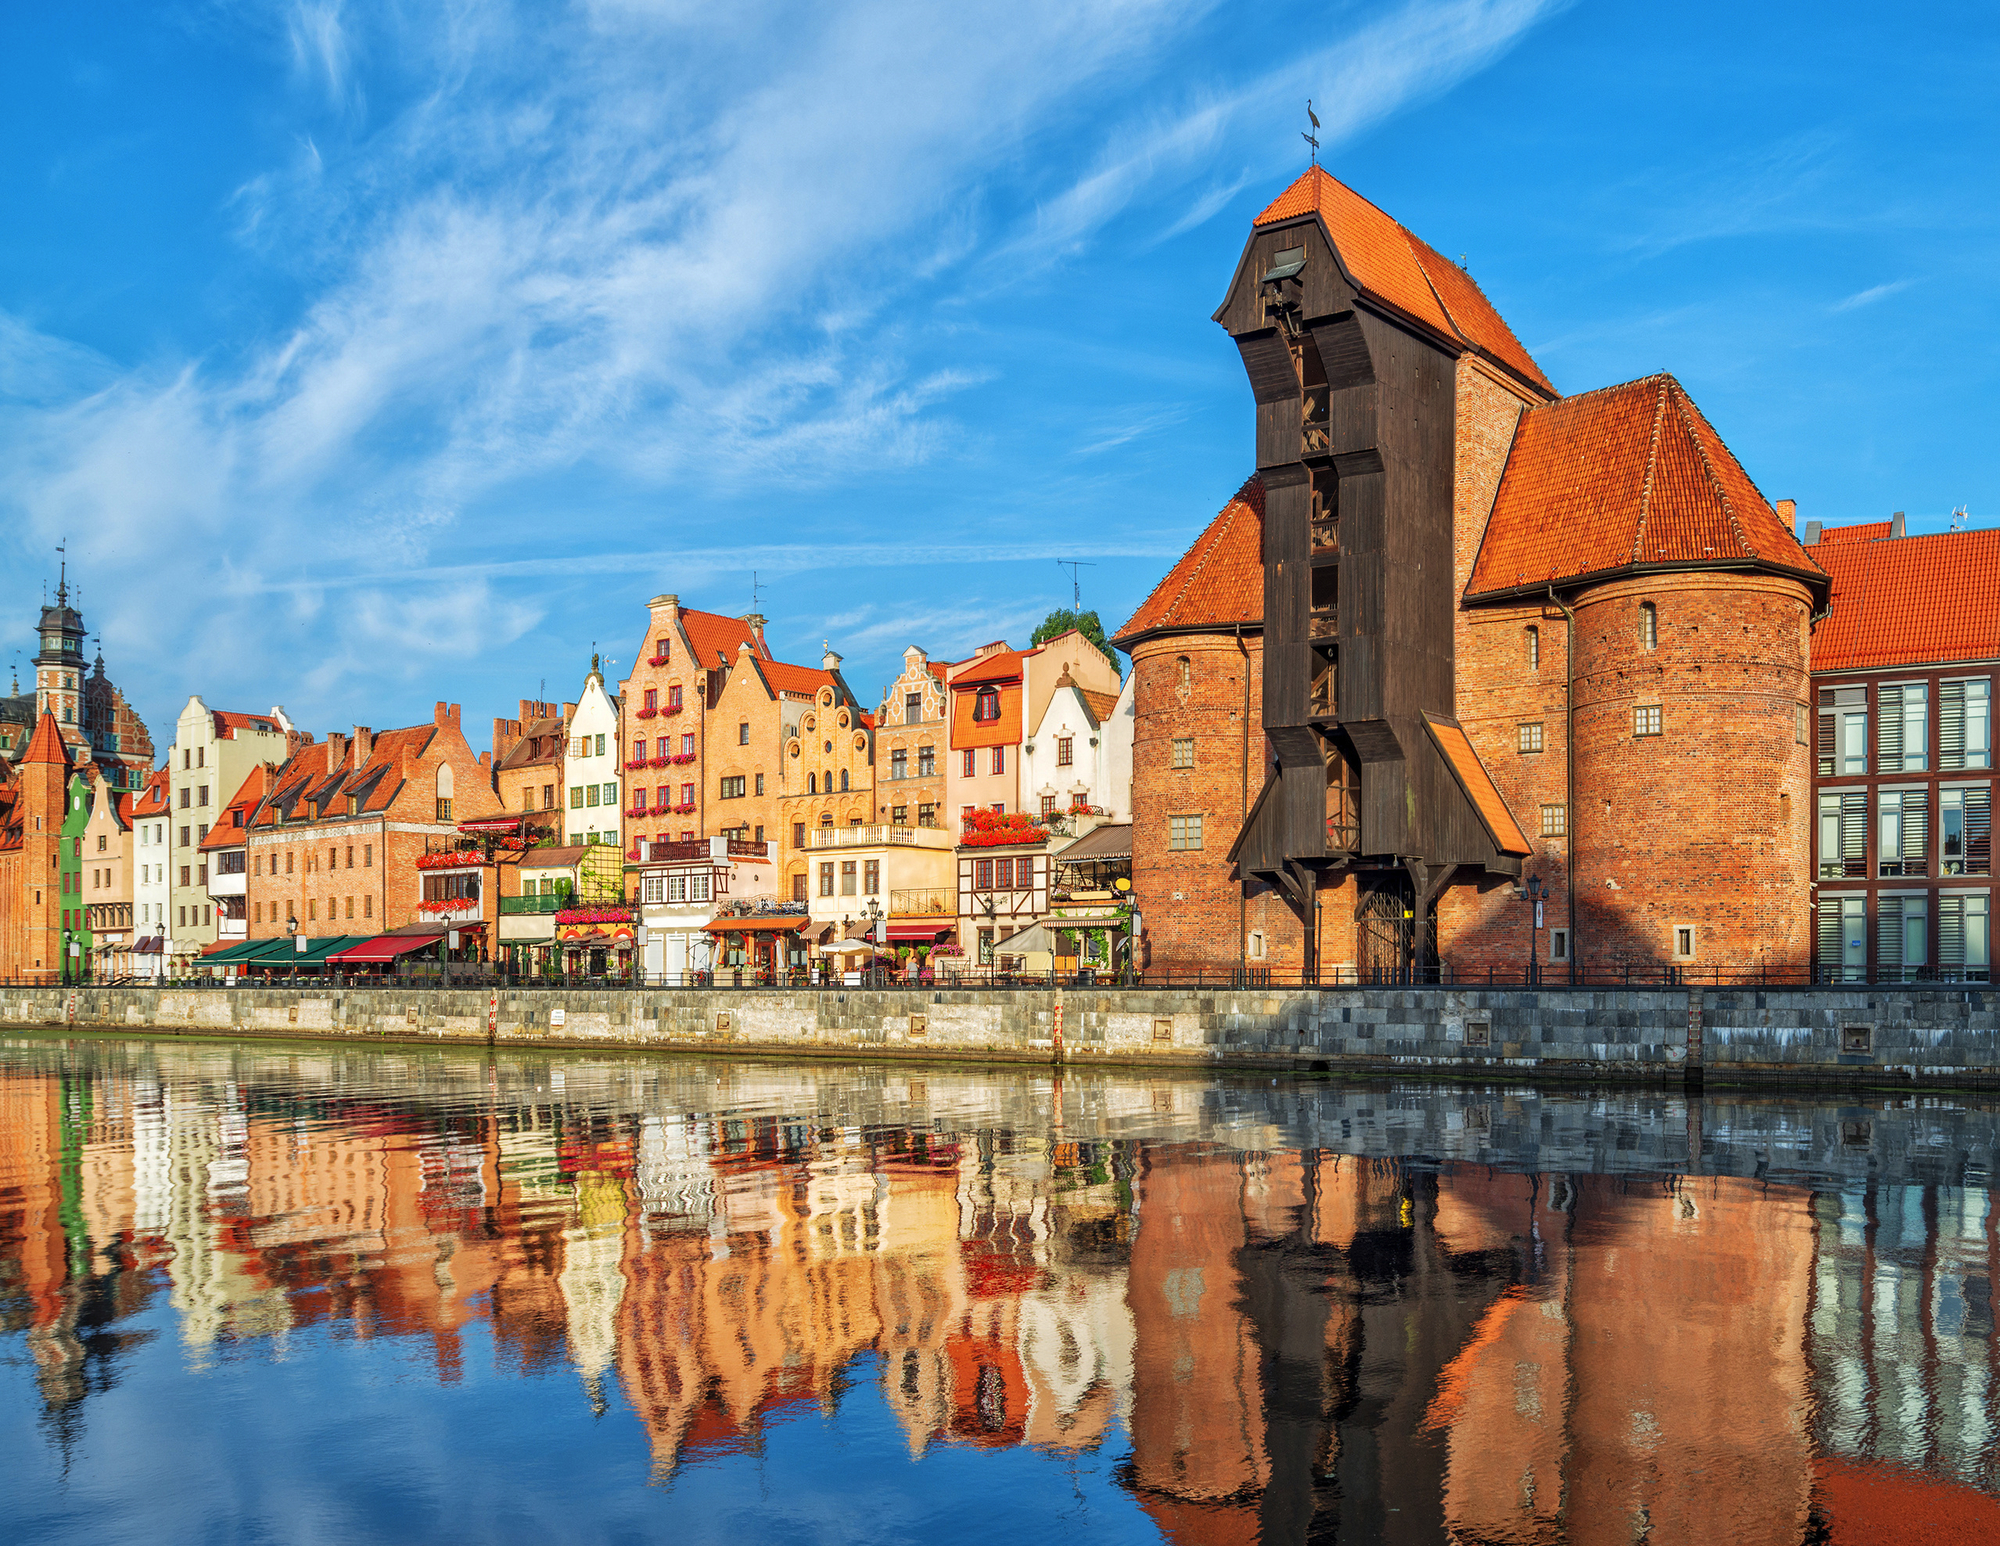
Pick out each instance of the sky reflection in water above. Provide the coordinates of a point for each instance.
(337, 1295)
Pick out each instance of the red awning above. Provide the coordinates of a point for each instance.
(753, 925)
(906, 933)
(386, 947)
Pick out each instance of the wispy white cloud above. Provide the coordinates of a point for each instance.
(1872, 294)
(675, 250)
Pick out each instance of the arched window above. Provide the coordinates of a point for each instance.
(1534, 646)
(1184, 669)
(1649, 626)
(812, 783)
(986, 707)
(843, 781)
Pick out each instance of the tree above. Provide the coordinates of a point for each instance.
(1062, 620)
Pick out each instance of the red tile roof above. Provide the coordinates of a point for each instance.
(227, 723)
(230, 833)
(1000, 666)
(1219, 580)
(1911, 601)
(1478, 785)
(46, 745)
(1866, 531)
(1626, 476)
(378, 780)
(1004, 731)
(1384, 259)
(782, 676)
(716, 639)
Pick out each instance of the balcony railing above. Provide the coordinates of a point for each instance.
(516, 905)
(863, 837)
(933, 902)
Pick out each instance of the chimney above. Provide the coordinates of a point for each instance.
(1788, 512)
(486, 763)
(364, 746)
(1896, 524)
(1812, 534)
(756, 624)
(669, 604)
(336, 748)
(989, 649)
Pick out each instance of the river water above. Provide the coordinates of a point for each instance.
(332, 1295)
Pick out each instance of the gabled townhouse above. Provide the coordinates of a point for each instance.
(983, 769)
(680, 670)
(757, 759)
(912, 735)
(152, 890)
(107, 870)
(528, 762)
(212, 753)
(827, 773)
(226, 852)
(334, 846)
(1078, 754)
(591, 765)
(33, 806)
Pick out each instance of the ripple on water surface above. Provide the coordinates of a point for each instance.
(345, 1296)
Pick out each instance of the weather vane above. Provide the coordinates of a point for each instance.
(1309, 136)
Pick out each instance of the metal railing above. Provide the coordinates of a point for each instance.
(873, 836)
(534, 904)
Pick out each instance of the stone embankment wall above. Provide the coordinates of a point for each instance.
(1917, 1034)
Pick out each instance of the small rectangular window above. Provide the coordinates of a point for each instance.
(1902, 728)
(871, 878)
(1683, 942)
(576, 797)
(971, 768)
(1799, 728)
(590, 792)
(1965, 724)
(1558, 944)
(1065, 751)
(1530, 736)
(760, 783)
(1555, 820)
(913, 707)
(1183, 751)
(600, 746)
(826, 879)
(1646, 719)
(732, 788)
(1048, 805)
(1183, 833)
(999, 759)
(982, 874)
(444, 809)
(743, 733)
(1843, 731)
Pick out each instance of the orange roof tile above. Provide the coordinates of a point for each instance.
(1219, 580)
(786, 677)
(228, 722)
(1866, 531)
(1384, 259)
(716, 639)
(46, 745)
(1478, 785)
(1626, 476)
(1000, 666)
(1911, 601)
(1004, 731)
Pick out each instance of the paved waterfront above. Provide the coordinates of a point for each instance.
(332, 1293)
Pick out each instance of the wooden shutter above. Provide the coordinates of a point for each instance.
(1916, 829)
(1979, 831)
(1829, 939)
(1951, 725)
(1889, 729)
(1854, 834)
(1951, 934)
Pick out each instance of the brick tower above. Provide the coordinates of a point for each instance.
(37, 899)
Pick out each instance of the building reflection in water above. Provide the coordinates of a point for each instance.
(1276, 1344)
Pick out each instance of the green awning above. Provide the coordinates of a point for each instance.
(287, 954)
(236, 955)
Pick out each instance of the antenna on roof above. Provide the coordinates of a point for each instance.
(1075, 581)
(756, 604)
(1958, 517)
(1308, 136)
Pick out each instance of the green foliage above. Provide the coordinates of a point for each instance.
(1062, 620)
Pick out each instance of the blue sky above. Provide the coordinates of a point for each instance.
(374, 354)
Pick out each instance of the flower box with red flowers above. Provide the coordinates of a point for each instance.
(992, 829)
(571, 915)
(671, 709)
(686, 807)
(638, 813)
(656, 660)
(682, 759)
(445, 906)
(636, 762)
(648, 713)
(660, 762)
(456, 859)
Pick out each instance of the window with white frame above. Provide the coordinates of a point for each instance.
(1183, 833)
(1843, 731)
(1646, 719)
(1965, 723)
(1965, 829)
(1902, 729)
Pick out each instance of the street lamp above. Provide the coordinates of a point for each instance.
(1533, 892)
